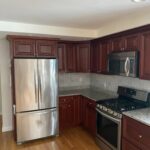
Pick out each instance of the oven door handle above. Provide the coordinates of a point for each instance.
(118, 121)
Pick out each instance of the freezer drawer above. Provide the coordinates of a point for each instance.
(37, 124)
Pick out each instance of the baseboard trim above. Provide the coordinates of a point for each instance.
(7, 128)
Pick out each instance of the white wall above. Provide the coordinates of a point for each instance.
(5, 85)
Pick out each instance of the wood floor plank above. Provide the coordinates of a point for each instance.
(71, 139)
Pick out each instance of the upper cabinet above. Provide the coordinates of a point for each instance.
(62, 57)
(71, 56)
(83, 57)
(132, 42)
(46, 48)
(145, 56)
(117, 44)
(22, 46)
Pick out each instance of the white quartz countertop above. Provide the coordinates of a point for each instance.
(141, 115)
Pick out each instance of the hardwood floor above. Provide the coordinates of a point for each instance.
(71, 139)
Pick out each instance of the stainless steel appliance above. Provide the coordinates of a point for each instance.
(36, 98)
(124, 63)
(109, 114)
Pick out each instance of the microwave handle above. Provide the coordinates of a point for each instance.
(127, 66)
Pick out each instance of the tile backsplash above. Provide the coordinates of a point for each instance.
(111, 82)
(99, 81)
(74, 80)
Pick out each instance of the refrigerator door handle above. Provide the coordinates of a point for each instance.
(36, 86)
(14, 109)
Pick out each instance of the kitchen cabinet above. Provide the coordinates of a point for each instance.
(83, 57)
(136, 133)
(145, 56)
(117, 44)
(62, 57)
(95, 57)
(132, 42)
(23, 48)
(77, 110)
(27, 46)
(89, 115)
(66, 112)
(71, 58)
(46, 48)
(127, 146)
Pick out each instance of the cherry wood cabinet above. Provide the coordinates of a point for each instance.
(83, 57)
(128, 146)
(136, 133)
(71, 57)
(27, 46)
(46, 48)
(23, 48)
(66, 112)
(132, 42)
(62, 57)
(117, 44)
(145, 56)
(94, 60)
(89, 115)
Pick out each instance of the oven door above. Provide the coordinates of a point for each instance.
(108, 131)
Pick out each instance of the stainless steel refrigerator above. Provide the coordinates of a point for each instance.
(36, 98)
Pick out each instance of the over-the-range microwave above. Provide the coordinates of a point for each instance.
(124, 63)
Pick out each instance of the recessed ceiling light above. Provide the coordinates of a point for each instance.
(138, 1)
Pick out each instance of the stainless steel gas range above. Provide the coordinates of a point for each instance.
(109, 114)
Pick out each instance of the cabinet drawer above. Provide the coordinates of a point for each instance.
(65, 99)
(136, 132)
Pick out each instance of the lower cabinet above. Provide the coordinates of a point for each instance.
(75, 111)
(89, 115)
(128, 146)
(137, 135)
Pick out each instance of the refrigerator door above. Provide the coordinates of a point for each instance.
(48, 83)
(36, 124)
(26, 84)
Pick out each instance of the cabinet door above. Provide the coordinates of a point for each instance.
(23, 48)
(128, 146)
(70, 58)
(132, 42)
(117, 44)
(83, 57)
(91, 117)
(77, 110)
(62, 57)
(94, 55)
(104, 49)
(46, 48)
(66, 112)
(145, 56)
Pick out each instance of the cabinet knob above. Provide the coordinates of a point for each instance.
(69, 106)
(140, 136)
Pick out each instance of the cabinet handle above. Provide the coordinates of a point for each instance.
(140, 136)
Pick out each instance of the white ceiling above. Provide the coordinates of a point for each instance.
(84, 14)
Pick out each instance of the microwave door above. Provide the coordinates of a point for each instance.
(26, 85)
(48, 83)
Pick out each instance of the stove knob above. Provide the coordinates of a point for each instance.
(98, 105)
(101, 107)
